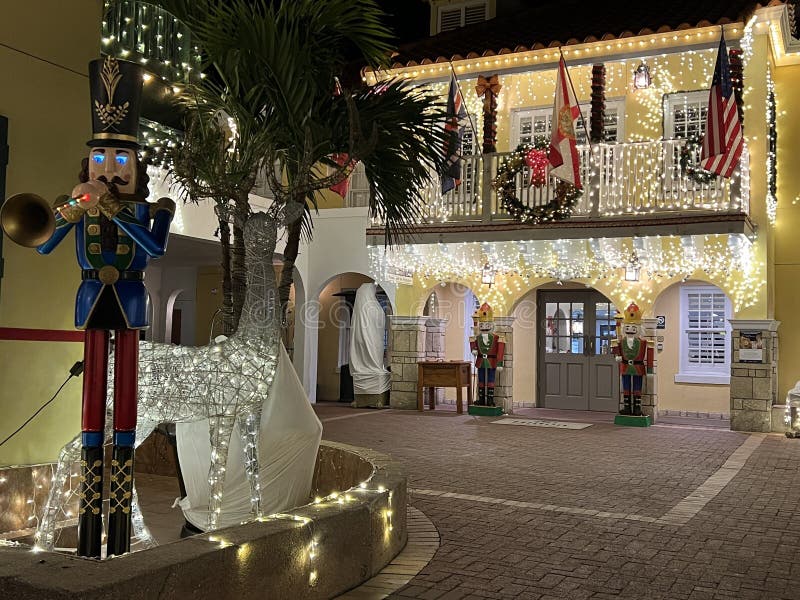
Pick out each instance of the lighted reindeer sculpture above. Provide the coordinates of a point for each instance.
(223, 382)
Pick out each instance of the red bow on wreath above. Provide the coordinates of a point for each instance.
(537, 160)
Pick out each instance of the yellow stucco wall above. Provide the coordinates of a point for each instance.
(47, 45)
(787, 226)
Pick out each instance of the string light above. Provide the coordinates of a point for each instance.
(726, 259)
(771, 158)
(135, 30)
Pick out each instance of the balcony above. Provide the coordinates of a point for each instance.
(635, 188)
(139, 31)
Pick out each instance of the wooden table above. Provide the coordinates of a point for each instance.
(433, 374)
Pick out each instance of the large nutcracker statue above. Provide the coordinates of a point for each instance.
(635, 357)
(116, 232)
(488, 349)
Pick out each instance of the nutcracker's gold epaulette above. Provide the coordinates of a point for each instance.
(614, 342)
(501, 338)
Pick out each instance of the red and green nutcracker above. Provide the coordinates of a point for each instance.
(488, 349)
(635, 357)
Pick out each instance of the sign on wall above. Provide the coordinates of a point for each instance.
(661, 322)
(751, 347)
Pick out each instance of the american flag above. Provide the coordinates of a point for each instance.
(723, 142)
(451, 177)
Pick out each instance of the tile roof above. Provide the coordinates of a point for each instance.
(551, 23)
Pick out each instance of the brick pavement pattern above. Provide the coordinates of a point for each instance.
(550, 513)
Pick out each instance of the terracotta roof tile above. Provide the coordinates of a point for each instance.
(550, 21)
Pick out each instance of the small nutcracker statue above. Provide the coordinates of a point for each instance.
(488, 349)
(635, 357)
(116, 233)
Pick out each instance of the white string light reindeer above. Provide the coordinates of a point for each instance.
(223, 382)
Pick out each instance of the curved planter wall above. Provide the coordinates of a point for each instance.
(356, 526)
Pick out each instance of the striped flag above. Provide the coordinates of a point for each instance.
(722, 143)
(451, 177)
(563, 153)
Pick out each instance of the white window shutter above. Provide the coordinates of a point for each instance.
(449, 19)
(474, 14)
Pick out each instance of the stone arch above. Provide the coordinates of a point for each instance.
(324, 318)
(171, 300)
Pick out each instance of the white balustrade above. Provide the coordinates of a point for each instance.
(637, 178)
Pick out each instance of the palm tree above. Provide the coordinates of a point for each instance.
(277, 63)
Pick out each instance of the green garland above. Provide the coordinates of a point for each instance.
(558, 209)
(691, 169)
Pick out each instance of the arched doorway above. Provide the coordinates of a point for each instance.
(336, 301)
(456, 304)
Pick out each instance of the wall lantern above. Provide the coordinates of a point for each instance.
(632, 269)
(641, 77)
(487, 275)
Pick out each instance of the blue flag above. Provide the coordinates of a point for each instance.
(451, 178)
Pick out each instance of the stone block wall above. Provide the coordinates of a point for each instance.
(503, 386)
(408, 347)
(650, 391)
(754, 386)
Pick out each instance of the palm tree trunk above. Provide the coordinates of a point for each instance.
(227, 291)
(289, 257)
(238, 268)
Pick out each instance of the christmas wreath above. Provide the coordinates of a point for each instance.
(533, 156)
(689, 168)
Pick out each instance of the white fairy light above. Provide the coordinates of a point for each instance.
(727, 259)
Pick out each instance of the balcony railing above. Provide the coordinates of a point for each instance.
(633, 179)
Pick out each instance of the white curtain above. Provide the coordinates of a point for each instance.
(290, 436)
(367, 334)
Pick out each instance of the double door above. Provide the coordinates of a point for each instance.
(576, 368)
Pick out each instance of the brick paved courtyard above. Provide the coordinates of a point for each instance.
(603, 512)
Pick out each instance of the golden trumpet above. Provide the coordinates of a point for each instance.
(28, 219)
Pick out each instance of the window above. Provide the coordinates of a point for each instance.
(685, 115)
(358, 192)
(704, 336)
(458, 15)
(533, 125)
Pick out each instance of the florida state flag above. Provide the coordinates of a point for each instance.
(563, 152)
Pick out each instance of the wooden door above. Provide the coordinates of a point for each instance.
(576, 368)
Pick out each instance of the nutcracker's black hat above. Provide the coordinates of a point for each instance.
(116, 93)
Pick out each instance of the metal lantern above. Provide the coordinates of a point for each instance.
(641, 77)
(632, 269)
(487, 275)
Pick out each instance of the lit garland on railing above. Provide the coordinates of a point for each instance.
(772, 147)
(726, 259)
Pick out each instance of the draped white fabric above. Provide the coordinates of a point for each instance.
(290, 436)
(367, 332)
